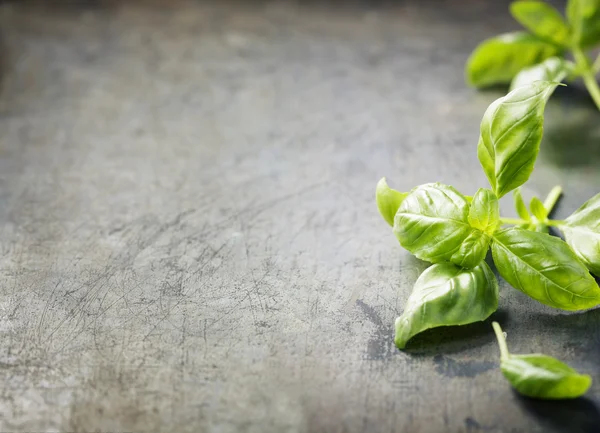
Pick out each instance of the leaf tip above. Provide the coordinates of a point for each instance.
(400, 339)
(382, 183)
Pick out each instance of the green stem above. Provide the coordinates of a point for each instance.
(501, 341)
(555, 223)
(515, 221)
(596, 65)
(587, 73)
(552, 198)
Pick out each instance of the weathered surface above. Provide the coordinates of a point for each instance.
(188, 229)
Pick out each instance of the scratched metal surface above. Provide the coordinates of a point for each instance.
(188, 231)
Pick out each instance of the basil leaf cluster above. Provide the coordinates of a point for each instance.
(539, 53)
(455, 232)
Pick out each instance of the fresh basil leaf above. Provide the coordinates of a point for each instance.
(499, 59)
(520, 205)
(472, 250)
(388, 200)
(484, 213)
(432, 223)
(511, 132)
(538, 210)
(544, 268)
(540, 376)
(584, 21)
(542, 20)
(552, 69)
(582, 233)
(446, 295)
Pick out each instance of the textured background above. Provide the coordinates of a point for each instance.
(189, 239)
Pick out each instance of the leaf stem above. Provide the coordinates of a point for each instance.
(552, 198)
(587, 73)
(596, 65)
(515, 221)
(555, 223)
(501, 341)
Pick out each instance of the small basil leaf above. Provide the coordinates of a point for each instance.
(432, 223)
(472, 250)
(520, 205)
(544, 268)
(584, 21)
(542, 20)
(538, 210)
(499, 59)
(446, 295)
(540, 376)
(552, 69)
(388, 200)
(511, 132)
(582, 233)
(484, 213)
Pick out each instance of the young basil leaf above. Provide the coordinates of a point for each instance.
(432, 223)
(540, 376)
(388, 200)
(520, 205)
(511, 132)
(446, 295)
(582, 233)
(484, 213)
(552, 69)
(499, 59)
(544, 268)
(473, 250)
(584, 21)
(542, 20)
(538, 210)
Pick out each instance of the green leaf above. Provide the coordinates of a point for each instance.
(552, 69)
(388, 200)
(540, 376)
(484, 213)
(538, 210)
(584, 22)
(446, 295)
(432, 223)
(544, 268)
(582, 233)
(542, 20)
(520, 205)
(511, 132)
(472, 250)
(499, 59)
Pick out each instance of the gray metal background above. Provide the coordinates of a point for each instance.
(189, 239)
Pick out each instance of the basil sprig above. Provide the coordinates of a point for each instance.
(520, 58)
(439, 224)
